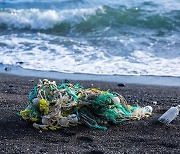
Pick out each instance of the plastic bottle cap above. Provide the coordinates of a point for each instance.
(148, 109)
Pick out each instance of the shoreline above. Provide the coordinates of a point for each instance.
(126, 79)
(143, 136)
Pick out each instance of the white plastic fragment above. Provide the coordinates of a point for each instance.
(64, 121)
(141, 112)
(116, 100)
(155, 103)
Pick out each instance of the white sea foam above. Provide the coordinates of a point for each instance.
(42, 19)
(37, 52)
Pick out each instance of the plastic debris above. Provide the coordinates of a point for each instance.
(53, 106)
(155, 103)
(169, 115)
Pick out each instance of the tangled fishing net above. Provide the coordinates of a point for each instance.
(53, 106)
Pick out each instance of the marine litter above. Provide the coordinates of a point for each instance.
(53, 106)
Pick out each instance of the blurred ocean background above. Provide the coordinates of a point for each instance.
(107, 37)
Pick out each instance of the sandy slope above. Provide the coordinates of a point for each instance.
(144, 136)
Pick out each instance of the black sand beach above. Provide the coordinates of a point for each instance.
(144, 136)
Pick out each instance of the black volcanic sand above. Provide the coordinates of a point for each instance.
(144, 136)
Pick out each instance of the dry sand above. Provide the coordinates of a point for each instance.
(144, 136)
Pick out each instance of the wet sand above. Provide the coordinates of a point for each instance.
(144, 136)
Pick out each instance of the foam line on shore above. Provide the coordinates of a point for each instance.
(148, 80)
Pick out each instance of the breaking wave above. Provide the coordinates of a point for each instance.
(86, 20)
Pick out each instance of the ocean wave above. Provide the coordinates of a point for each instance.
(41, 19)
(87, 20)
(41, 53)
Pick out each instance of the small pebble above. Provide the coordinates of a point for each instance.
(7, 68)
(20, 62)
(121, 85)
(66, 81)
(31, 80)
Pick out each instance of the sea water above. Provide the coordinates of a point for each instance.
(109, 37)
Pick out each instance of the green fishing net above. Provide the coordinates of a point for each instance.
(53, 106)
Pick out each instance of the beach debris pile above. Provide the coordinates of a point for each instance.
(52, 106)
